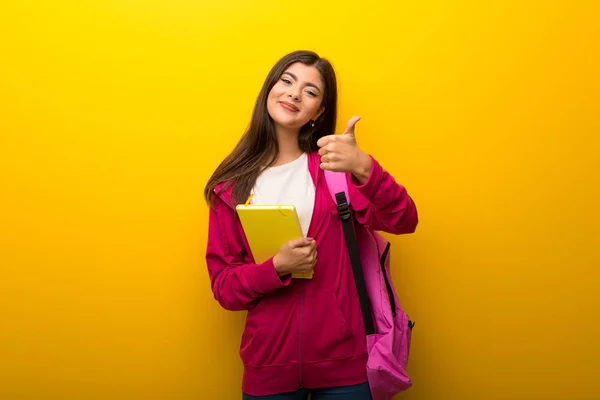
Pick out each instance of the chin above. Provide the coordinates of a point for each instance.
(286, 123)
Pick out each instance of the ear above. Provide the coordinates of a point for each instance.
(319, 113)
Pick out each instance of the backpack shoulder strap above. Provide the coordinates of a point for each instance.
(336, 182)
(338, 188)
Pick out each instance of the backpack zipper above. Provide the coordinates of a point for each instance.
(388, 286)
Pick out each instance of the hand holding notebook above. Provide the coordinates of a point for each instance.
(296, 257)
(273, 230)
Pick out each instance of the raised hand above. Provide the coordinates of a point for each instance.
(341, 153)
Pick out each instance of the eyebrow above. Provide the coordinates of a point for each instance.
(307, 84)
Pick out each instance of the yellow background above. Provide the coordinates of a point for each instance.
(114, 113)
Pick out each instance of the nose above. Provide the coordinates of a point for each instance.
(293, 95)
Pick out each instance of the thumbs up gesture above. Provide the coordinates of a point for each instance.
(341, 153)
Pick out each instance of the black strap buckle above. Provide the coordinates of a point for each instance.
(343, 208)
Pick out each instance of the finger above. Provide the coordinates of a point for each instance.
(350, 126)
(331, 160)
(325, 140)
(332, 147)
(301, 242)
(327, 166)
(331, 156)
(310, 263)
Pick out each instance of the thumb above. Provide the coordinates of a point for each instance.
(301, 242)
(350, 126)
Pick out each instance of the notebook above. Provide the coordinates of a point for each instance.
(268, 227)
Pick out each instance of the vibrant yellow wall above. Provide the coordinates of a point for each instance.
(114, 113)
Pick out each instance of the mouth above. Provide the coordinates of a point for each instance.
(288, 106)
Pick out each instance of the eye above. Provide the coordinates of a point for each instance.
(286, 81)
(311, 93)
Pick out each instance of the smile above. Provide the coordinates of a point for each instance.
(288, 106)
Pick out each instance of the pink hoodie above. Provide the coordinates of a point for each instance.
(303, 333)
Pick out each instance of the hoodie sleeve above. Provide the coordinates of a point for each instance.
(381, 203)
(236, 285)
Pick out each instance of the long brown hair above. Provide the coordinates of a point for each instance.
(243, 165)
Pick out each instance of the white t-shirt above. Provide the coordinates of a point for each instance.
(289, 183)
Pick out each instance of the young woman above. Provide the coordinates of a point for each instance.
(302, 336)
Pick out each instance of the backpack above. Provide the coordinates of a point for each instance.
(387, 326)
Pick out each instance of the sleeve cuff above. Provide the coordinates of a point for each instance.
(264, 279)
(370, 187)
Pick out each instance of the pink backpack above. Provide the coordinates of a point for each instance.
(387, 326)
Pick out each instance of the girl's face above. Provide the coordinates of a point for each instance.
(297, 97)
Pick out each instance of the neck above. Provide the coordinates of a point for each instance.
(289, 150)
